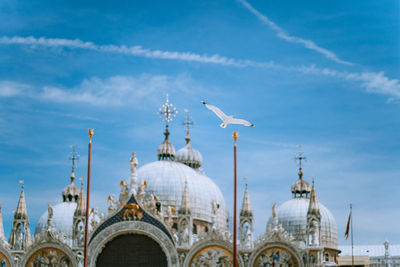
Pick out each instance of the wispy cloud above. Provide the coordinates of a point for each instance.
(372, 82)
(114, 90)
(127, 50)
(281, 33)
(9, 88)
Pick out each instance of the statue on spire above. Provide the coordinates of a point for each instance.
(133, 180)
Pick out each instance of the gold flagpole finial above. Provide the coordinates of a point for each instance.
(235, 136)
(91, 132)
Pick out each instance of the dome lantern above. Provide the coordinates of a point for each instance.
(188, 155)
(166, 150)
(71, 192)
(301, 188)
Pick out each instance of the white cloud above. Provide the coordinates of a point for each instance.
(373, 82)
(293, 39)
(126, 50)
(9, 88)
(113, 91)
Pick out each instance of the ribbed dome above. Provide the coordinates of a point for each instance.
(293, 216)
(189, 156)
(63, 214)
(167, 180)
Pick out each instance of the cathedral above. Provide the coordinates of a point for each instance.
(170, 213)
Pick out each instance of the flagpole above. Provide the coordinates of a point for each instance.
(351, 229)
(85, 252)
(235, 135)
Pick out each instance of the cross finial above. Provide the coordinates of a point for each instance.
(81, 179)
(300, 157)
(74, 158)
(245, 180)
(188, 123)
(167, 111)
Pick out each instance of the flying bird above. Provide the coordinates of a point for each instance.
(225, 118)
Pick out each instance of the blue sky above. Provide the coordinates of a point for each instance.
(323, 75)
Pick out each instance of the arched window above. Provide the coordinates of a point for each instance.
(326, 257)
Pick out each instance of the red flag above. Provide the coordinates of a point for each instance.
(348, 227)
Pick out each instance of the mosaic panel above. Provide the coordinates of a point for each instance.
(276, 257)
(4, 261)
(49, 257)
(212, 256)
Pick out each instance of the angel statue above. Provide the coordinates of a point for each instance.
(112, 204)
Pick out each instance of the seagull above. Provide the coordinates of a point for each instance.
(226, 119)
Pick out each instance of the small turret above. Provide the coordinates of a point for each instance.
(185, 220)
(78, 230)
(20, 237)
(313, 220)
(185, 207)
(246, 228)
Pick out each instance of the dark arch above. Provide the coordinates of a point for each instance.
(132, 250)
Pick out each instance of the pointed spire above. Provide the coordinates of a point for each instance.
(313, 207)
(80, 208)
(21, 212)
(2, 236)
(20, 237)
(185, 206)
(166, 150)
(246, 205)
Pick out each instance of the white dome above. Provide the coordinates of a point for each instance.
(189, 156)
(63, 215)
(167, 179)
(293, 216)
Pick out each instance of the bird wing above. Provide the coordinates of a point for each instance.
(217, 111)
(240, 121)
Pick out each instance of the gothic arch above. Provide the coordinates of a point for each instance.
(224, 247)
(99, 242)
(50, 244)
(260, 249)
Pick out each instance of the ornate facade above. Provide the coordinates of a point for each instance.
(169, 213)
